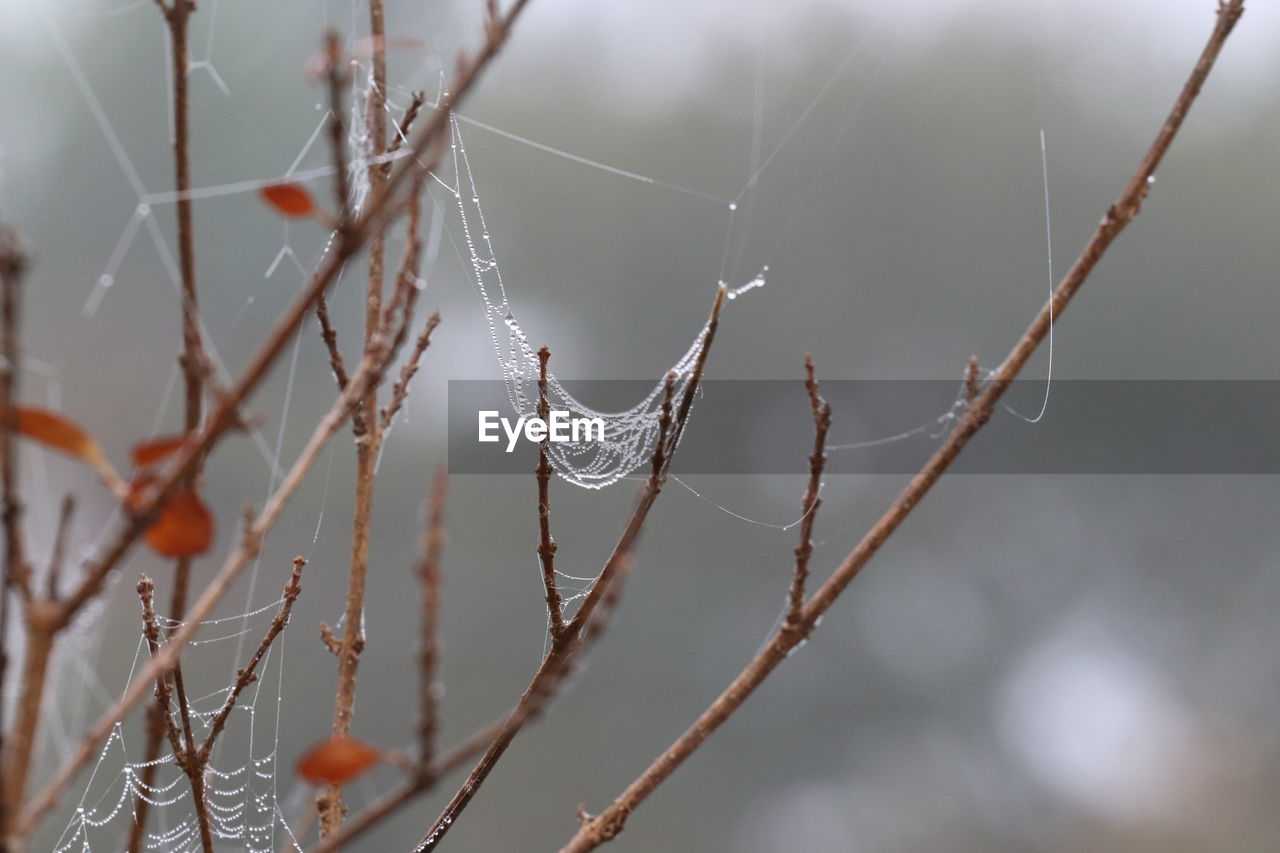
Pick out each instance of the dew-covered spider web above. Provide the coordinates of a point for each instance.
(254, 802)
(241, 780)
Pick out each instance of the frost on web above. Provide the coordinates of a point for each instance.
(241, 794)
(629, 435)
(247, 810)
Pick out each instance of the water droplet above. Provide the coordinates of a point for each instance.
(1151, 179)
(732, 295)
(733, 205)
(106, 280)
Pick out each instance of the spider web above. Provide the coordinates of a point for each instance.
(246, 804)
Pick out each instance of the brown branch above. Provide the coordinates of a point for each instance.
(664, 450)
(821, 410)
(400, 391)
(566, 652)
(54, 577)
(327, 332)
(402, 129)
(365, 425)
(151, 630)
(560, 658)
(13, 265)
(429, 644)
(425, 153)
(337, 79)
(248, 675)
(476, 743)
(352, 238)
(195, 366)
(547, 545)
(369, 372)
(597, 830)
(972, 387)
(330, 337)
(183, 752)
(327, 637)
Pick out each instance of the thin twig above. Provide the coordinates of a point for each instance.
(597, 830)
(151, 630)
(429, 644)
(406, 122)
(381, 206)
(13, 265)
(476, 743)
(821, 411)
(248, 675)
(547, 545)
(194, 362)
(330, 337)
(558, 661)
(369, 372)
(13, 262)
(425, 152)
(66, 512)
(368, 432)
(400, 391)
(972, 388)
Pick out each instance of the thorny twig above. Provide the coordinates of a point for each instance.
(597, 830)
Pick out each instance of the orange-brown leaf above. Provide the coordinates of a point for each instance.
(184, 528)
(337, 761)
(289, 199)
(60, 433)
(150, 452)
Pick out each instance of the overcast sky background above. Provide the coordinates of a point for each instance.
(1032, 663)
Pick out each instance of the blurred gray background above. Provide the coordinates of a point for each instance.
(1032, 664)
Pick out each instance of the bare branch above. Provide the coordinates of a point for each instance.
(400, 392)
(248, 675)
(821, 411)
(428, 651)
(330, 337)
(13, 264)
(563, 650)
(547, 545)
(597, 830)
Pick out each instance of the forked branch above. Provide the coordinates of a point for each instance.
(594, 831)
(422, 156)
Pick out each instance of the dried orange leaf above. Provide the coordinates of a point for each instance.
(289, 199)
(184, 528)
(337, 761)
(151, 452)
(53, 430)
